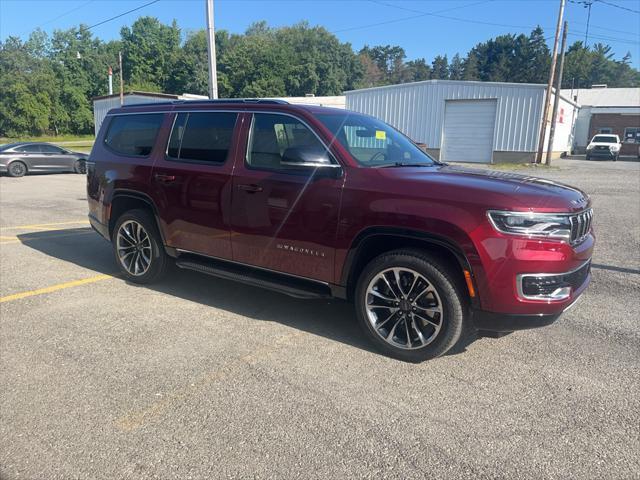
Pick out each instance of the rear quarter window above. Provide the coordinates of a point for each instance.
(133, 135)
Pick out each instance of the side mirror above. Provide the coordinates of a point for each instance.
(309, 158)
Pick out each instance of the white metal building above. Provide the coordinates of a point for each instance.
(484, 122)
(101, 105)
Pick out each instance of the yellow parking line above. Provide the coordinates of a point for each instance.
(54, 288)
(44, 225)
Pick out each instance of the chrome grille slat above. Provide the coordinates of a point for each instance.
(580, 225)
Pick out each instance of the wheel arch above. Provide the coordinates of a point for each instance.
(378, 240)
(126, 200)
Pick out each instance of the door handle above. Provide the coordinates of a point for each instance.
(251, 188)
(161, 177)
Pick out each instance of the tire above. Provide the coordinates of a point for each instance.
(80, 166)
(17, 169)
(136, 246)
(588, 157)
(445, 326)
(615, 159)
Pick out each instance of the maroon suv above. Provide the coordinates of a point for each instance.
(317, 202)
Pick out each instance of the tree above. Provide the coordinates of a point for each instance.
(456, 68)
(150, 51)
(440, 68)
(418, 70)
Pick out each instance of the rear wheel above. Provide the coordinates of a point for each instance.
(409, 306)
(80, 166)
(138, 247)
(17, 169)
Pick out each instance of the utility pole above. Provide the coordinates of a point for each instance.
(547, 98)
(556, 101)
(587, 4)
(211, 51)
(121, 81)
(110, 84)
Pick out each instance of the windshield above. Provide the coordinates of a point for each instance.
(604, 139)
(373, 143)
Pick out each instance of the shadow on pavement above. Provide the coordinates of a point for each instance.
(333, 319)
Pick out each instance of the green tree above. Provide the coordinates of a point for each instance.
(440, 68)
(456, 68)
(150, 51)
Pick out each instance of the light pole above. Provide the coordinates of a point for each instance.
(211, 51)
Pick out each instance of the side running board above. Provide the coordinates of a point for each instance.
(282, 283)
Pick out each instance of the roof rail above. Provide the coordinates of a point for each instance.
(262, 101)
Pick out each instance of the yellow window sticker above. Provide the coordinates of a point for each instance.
(381, 135)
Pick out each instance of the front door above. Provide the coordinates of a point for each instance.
(284, 219)
(192, 183)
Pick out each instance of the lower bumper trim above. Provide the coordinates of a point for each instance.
(505, 322)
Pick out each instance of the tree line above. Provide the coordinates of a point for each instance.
(47, 82)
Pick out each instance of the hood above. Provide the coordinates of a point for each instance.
(494, 189)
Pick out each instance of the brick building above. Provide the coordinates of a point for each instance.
(607, 110)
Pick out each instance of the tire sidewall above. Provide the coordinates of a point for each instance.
(158, 255)
(453, 308)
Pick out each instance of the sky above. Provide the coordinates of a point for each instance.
(424, 28)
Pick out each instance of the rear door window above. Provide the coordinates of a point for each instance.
(133, 135)
(202, 137)
(29, 149)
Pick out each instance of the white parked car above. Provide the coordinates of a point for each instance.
(604, 146)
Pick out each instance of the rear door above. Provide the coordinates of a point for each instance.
(191, 182)
(31, 156)
(284, 220)
(55, 158)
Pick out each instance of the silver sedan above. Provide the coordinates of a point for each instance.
(19, 159)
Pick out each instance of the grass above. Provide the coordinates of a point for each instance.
(78, 143)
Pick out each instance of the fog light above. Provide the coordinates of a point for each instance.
(543, 287)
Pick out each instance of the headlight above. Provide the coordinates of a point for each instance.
(541, 225)
(614, 148)
(589, 147)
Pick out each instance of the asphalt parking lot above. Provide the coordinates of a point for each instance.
(202, 378)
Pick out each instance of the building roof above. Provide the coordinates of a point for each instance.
(463, 82)
(167, 96)
(606, 97)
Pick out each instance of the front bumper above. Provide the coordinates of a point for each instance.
(608, 154)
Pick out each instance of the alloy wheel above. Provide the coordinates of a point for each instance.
(404, 308)
(17, 169)
(134, 248)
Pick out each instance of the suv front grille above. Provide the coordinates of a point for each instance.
(580, 225)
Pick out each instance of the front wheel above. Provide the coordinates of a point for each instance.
(138, 247)
(409, 306)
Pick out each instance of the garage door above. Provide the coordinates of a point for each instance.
(468, 131)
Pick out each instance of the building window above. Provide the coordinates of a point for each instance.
(631, 135)
(605, 130)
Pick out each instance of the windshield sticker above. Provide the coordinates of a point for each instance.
(381, 135)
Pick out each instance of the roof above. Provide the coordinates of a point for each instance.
(606, 97)
(465, 82)
(167, 96)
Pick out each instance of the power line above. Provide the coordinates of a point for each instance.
(411, 17)
(122, 14)
(68, 12)
(617, 6)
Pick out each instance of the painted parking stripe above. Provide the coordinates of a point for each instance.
(55, 288)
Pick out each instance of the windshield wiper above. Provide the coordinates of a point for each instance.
(404, 164)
